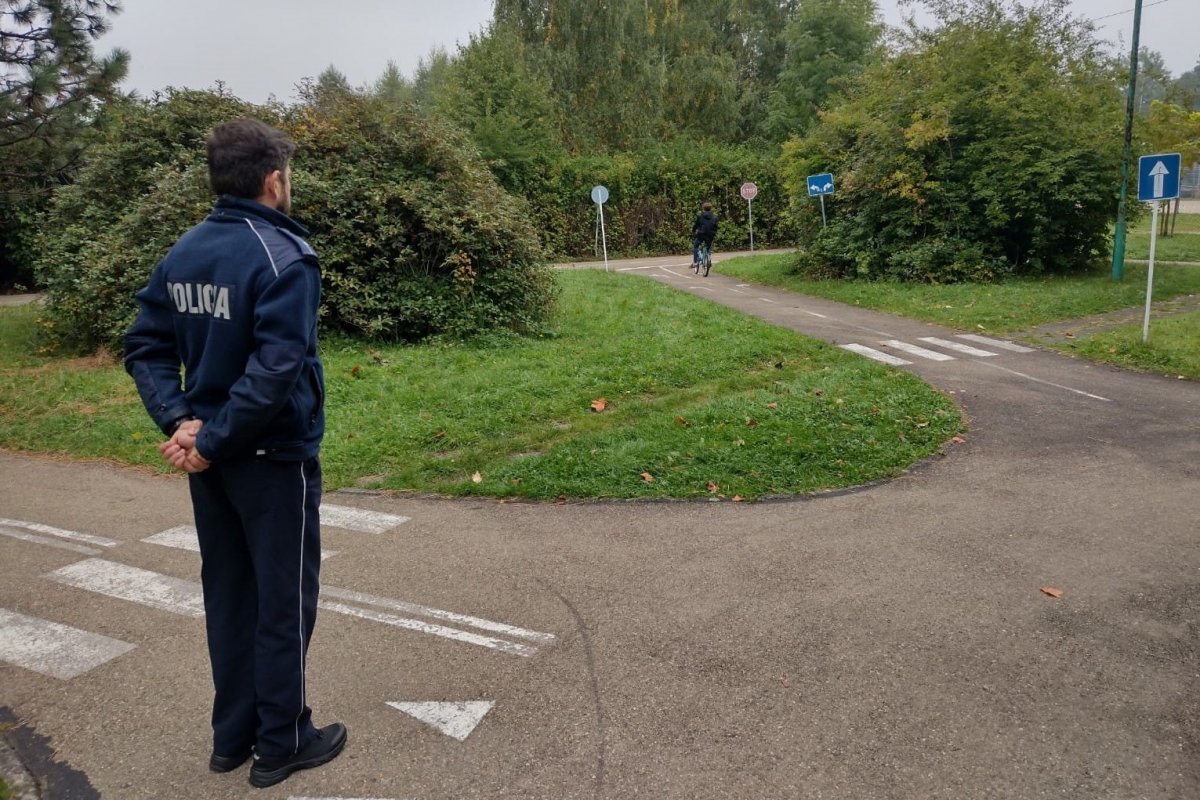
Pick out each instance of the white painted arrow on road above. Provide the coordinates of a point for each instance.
(456, 720)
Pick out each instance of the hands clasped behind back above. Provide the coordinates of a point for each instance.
(180, 450)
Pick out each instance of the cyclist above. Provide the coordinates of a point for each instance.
(704, 230)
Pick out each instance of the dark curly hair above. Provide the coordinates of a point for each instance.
(242, 153)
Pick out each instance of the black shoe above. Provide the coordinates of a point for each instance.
(218, 763)
(323, 748)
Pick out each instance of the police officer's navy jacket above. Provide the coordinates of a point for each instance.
(235, 300)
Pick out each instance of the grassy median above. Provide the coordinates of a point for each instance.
(1172, 348)
(1012, 307)
(697, 401)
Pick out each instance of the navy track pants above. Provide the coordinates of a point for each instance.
(260, 542)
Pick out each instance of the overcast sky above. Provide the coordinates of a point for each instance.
(265, 47)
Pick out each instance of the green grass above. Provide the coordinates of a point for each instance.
(18, 345)
(999, 308)
(1183, 223)
(1172, 348)
(696, 393)
(1179, 247)
(1182, 245)
(5, 792)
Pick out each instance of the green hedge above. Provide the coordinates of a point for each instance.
(654, 196)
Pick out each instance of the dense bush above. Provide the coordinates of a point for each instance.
(415, 237)
(988, 146)
(142, 185)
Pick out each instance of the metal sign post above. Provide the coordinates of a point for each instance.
(749, 191)
(599, 196)
(1150, 271)
(1158, 180)
(818, 186)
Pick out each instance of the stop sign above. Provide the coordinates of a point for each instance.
(749, 191)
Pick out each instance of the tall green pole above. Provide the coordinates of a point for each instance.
(1118, 262)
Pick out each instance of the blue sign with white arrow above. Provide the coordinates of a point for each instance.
(820, 184)
(1158, 177)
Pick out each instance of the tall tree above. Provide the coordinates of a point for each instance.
(51, 82)
(51, 85)
(1153, 79)
(391, 87)
(1186, 89)
(598, 59)
(700, 78)
(828, 42)
(495, 93)
(431, 75)
(750, 35)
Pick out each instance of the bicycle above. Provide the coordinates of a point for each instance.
(702, 258)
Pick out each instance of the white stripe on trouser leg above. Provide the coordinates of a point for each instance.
(300, 598)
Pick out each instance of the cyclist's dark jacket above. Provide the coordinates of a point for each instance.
(705, 229)
(235, 300)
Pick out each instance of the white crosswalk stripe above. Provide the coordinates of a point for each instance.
(361, 520)
(436, 613)
(917, 350)
(184, 537)
(957, 347)
(50, 530)
(877, 355)
(934, 355)
(420, 626)
(178, 596)
(136, 585)
(14, 533)
(1002, 344)
(54, 649)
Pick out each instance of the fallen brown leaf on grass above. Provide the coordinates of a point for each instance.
(737, 498)
(477, 478)
(1050, 590)
(683, 423)
(599, 404)
(713, 488)
(772, 405)
(958, 440)
(647, 477)
(751, 422)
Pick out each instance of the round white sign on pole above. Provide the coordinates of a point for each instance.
(749, 191)
(599, 194)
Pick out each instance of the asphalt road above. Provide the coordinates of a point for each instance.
(888, 642)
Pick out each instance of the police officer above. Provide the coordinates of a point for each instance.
(234, 303)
